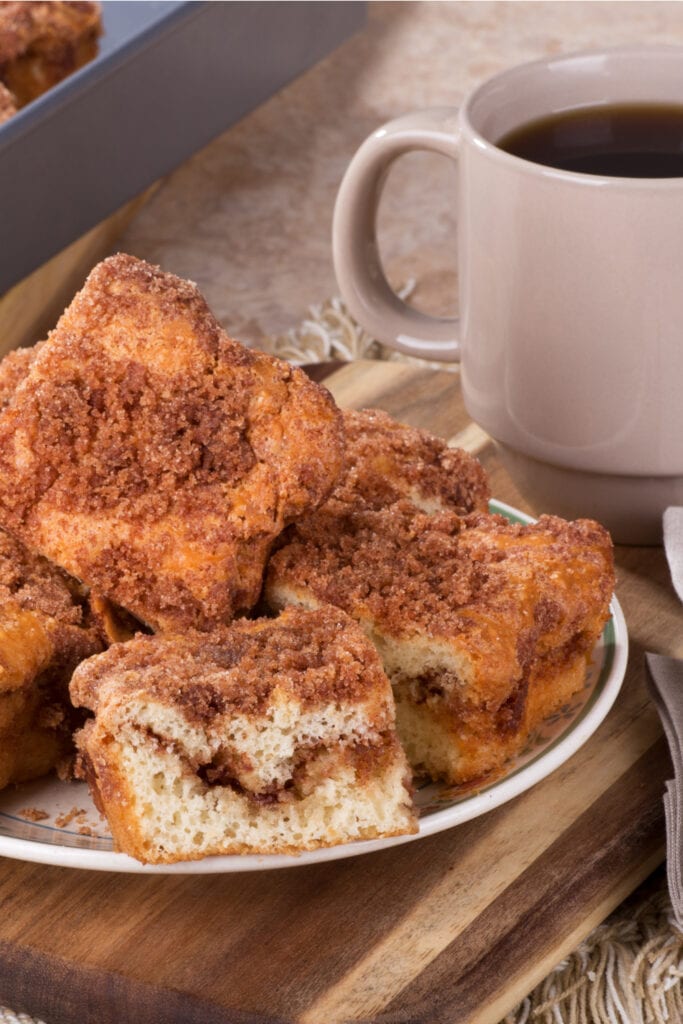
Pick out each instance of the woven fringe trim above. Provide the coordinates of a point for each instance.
(628, 971)
(7, 1017)
(330, 332)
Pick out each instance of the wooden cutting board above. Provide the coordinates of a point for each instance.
(453, 928)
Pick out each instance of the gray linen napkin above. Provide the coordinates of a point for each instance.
(673, 545)
(665, 677)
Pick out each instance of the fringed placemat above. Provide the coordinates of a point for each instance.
(329, 332)
(627, 971)
(9, 1017)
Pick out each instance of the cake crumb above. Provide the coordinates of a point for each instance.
(75, 814)
(33, 814)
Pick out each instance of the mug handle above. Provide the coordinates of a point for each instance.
(357, 264)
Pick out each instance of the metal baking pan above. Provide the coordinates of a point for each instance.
(169, 77)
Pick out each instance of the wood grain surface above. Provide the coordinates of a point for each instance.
(453, 928)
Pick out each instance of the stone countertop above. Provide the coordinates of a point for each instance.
(248, 217)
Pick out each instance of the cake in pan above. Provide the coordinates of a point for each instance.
(43, 42)
(272, 736)
(484, 626)
(156, 459)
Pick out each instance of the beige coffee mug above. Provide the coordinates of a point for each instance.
(571, 290)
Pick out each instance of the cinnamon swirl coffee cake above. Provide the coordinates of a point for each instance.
(153, 457)
(272, 736)
(387, 461)
(484, 626)
(45, 631)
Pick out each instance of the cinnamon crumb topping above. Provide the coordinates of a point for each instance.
(442, 574)
(387, 461)
(154, 457)
(14, 367)
(400, 567)
(34, 584)
(314, 657)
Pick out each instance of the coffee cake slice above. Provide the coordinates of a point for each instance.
(45, 631)
(484, 626)
(387, 461)
(153, 457)
(273, 736)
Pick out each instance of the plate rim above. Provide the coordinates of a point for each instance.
(498, 793)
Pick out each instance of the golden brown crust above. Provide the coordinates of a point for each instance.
(480, 747)
(43, 42)
(157, 459)
(35, 585)
(314, 657)
(501, 593)
(46, 625)
(411, 570)
(31, 753)
(45, 631)
(8, 104)
(387, 461)
(14, 367)
(44, 23)
(114, 623)
(485, 626)
(567, 569)
(399, 567)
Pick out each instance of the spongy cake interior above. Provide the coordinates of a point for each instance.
(179, 813)
(294, 771)
(483, 626)
(45, 629)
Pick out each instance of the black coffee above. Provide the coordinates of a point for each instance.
(627, 140)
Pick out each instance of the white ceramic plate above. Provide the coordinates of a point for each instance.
(84, 842)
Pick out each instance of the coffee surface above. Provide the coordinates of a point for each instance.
(634, 140)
